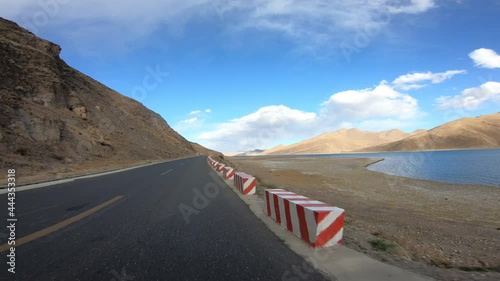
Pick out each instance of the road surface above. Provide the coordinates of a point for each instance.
(129, 226)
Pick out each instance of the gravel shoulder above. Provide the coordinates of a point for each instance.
(445, 231)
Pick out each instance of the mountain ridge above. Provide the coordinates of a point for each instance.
(55, 118)
(342, 140)
(465, 133)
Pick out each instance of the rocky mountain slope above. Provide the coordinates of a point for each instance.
(54, 118)
(464, 133)
(343, 140)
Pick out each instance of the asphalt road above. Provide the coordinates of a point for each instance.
(143, 235)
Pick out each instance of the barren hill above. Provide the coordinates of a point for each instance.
(465, 133)
(343, 140)
(205, 151)
(55, 119)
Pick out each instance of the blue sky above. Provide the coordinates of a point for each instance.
(239, 75)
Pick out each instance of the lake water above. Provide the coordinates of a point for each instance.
(454, 166)
(457, 166)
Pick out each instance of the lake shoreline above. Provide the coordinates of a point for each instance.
(470, 167)
(361, 152)
(428, 221)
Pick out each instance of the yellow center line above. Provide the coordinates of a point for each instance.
(56, 227)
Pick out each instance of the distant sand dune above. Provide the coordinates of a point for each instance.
(340, 141)
(480, 132)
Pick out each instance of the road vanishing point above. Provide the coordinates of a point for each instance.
(129, 225)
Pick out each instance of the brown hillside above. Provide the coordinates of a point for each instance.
(205, 151)
(55, 119)
(479, 132)
(342, 140)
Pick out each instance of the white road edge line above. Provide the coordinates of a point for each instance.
(167, 172)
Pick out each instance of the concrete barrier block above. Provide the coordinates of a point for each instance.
(315, 222)
(245, 183)
(220, 168)
(228, 173)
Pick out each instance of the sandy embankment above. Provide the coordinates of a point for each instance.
(438, 229)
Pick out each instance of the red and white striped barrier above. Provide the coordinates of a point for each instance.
(228, 173)
(245, 183)
(317, 223)
(211, 161)
(220, 167)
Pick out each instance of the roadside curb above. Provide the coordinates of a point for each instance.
(337, 262)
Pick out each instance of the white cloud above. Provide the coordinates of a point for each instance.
(327, 24)
(93, 25)
(471, 98)
(190, 120)
(381, 101)
(417, 80)
(378, 108)
(260, 129)
(199, 112)
(415, 7)
(125, 24)
(485, 58)
(189, 125)
(294, 16)
(194, 112)
(194, 121)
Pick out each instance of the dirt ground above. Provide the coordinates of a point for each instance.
(445, 231)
